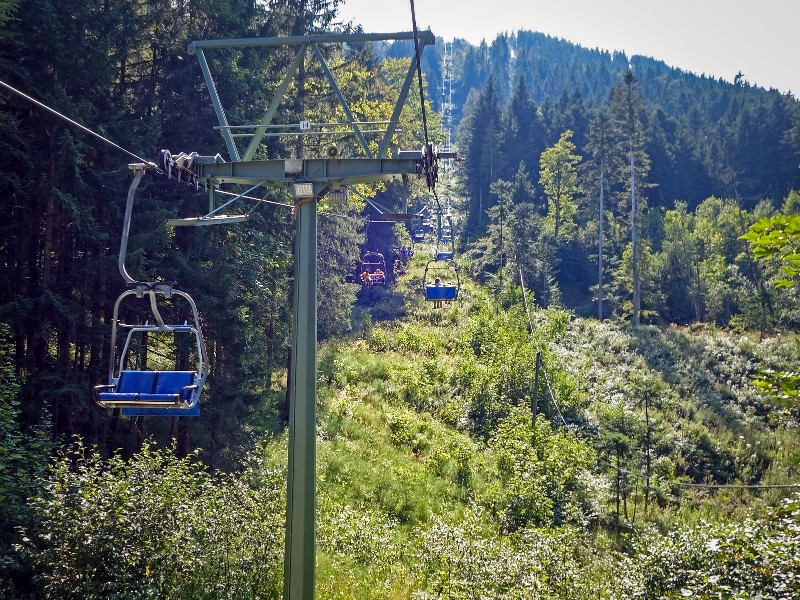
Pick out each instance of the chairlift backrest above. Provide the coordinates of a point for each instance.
(133, 382)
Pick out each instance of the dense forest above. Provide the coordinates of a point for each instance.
(608, 410)
(555, 136)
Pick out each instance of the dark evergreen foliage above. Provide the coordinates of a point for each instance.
(122, 69)
(706, 136)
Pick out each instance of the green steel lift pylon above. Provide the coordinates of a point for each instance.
(300, 550)
(308, 180)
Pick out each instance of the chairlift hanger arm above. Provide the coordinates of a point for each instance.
(138, 172)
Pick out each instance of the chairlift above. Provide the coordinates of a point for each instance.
(445, 247)
(163, 392)
(442, 263)
(373, 269)
(136, 389)
(435, 289)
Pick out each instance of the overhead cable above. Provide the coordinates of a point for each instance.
(84, 128)
(422, 105)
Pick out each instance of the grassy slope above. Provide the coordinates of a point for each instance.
(409, 488)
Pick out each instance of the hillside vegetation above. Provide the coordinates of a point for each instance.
(433, 483)
(653, 455)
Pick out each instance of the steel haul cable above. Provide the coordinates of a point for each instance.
(84, 128)
(422, 103)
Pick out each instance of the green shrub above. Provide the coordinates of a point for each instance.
(23, 461)
(754, 558)
(156, 526)
(539, 479)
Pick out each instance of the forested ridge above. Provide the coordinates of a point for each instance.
(633, 225)
(705, 136)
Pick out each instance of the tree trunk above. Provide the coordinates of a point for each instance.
(634, 241)
(617, 495)
(647, 451)
(600, 246)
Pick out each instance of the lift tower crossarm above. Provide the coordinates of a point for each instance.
(259, 130)
(425, 37)
(323, 170)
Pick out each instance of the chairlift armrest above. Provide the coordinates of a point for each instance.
(101, 388)
(187, 388)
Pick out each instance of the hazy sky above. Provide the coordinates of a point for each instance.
(718, 38)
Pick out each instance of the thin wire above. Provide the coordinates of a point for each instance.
(661, 481)
(231, 201)
(366, 220)
(84, 128)
(525, 299)
(218, 191)
(284, 204)
(360, 220)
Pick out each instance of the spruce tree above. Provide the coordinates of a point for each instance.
(523, 134)
(595, 176)
(626, 107)
(481, 144)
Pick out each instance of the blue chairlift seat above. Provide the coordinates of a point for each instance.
(444, 291)
(444, 256)
(150, 393)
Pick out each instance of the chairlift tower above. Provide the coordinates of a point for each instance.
(308, 179)
(447, 93)
(447, 101)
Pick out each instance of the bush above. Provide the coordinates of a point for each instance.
(756, 558)
(23, 461)
(157, 526)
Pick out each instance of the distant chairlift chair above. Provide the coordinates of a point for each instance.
(374, 264)
(436, 290)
